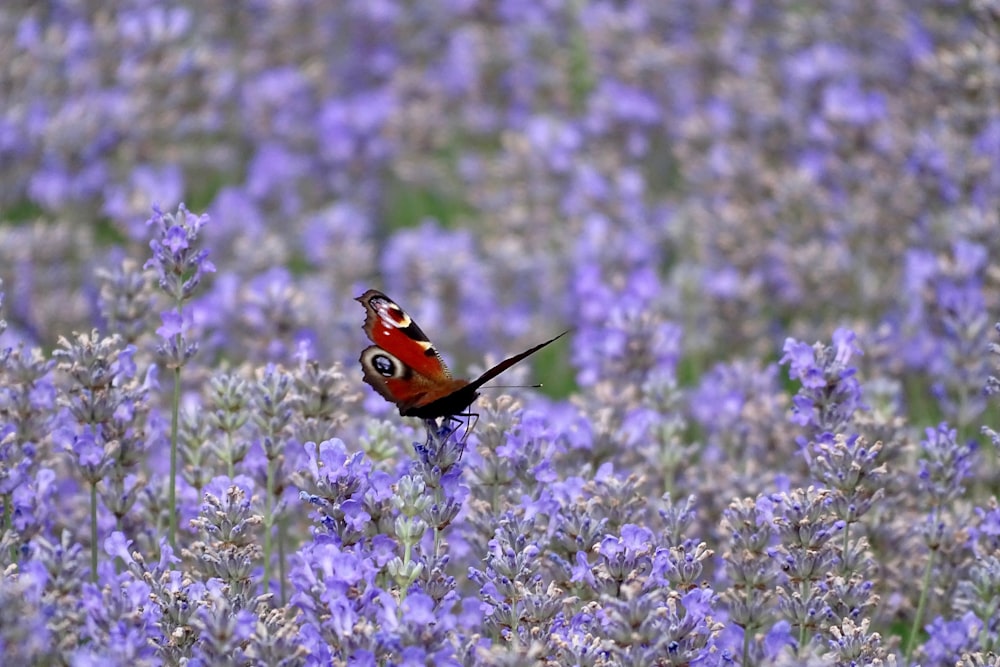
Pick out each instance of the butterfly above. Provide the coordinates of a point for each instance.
(406, 369)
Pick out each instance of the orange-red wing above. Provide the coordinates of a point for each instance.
(400, 384)
(389, 327)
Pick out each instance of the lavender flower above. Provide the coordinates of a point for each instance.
(180, 266)
(806, 528)
(516, 608)
(24, 633)
(946, 326)
(945, 465)
(126, 300)
(104, 430)
(751, 568)
(830, 392)
(178, 263)
(227, 549)
(272, 416)
(320, 399)
(228, 402)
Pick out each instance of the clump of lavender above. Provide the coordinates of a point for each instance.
(174, 594)
(320, 400)
(180, 266)
(505, 461)
(126, 299)
(806, 529)
(751, 569)
(224, 630)
(854, 643)
(979, 594)
(639, 612)
(25, 636)
(103, 431)
(227, 413)
(27, 402)
(194, 437)
(945, 464)
(271, 417)
(830, 392)
(853, 470)
(118, 620)
(946, 326)
(337, 575)
(518, 607)
(226, 549)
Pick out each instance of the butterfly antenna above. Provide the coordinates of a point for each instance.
(513, 386)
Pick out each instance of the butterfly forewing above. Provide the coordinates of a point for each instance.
(389, 327)
(507, 363)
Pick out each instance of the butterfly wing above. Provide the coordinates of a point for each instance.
(400, 384)
(403, 366)
(389, 327)
(507, 363)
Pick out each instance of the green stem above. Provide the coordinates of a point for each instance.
(804, 592)
(802, 637)
(268, 523)
(6, 512)
(93, 532)
(7, 519)
(843, 553)
(921, 607)
(282, 536)
(406, 563)
(230, 466)
(174, 428)
(746, 647)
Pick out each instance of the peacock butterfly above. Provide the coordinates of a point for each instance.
(405, 368)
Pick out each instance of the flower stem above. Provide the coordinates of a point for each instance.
(93, 532)
(282, 537)
(174, 428)
(269, 523)
(230, 465)
(921, 607)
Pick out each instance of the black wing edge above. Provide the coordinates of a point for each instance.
(507, 363)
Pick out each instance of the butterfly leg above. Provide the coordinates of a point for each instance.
(471, 424)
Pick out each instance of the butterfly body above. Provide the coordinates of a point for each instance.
(406, 369)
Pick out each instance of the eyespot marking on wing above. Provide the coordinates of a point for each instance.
(384, 364)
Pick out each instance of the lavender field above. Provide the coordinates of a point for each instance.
(768, 438)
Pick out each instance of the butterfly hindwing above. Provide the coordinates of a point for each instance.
(400, 384)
